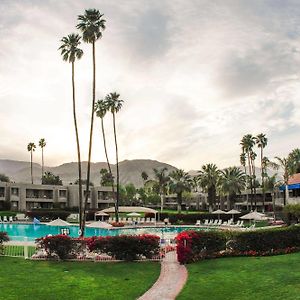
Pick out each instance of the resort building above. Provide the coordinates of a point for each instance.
(23, 196)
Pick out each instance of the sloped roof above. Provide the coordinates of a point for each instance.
(128, 209)
(294, 179)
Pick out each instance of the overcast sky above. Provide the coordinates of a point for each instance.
(195, 77)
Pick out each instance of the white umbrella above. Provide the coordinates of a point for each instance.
(233, 212)
(134, 214)
(99, 224)
(102, 214)
(254, 216)
(218, 212)
(58, 222)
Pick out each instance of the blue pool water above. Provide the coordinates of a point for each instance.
(17, 232)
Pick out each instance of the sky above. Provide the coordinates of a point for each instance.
(195, 76)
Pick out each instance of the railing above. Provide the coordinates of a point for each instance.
(20, 248)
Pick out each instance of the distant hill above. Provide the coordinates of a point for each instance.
(130, 170)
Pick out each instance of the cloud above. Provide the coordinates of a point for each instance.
(195, 76)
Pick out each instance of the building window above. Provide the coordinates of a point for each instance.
(62, 193)
(2, 192)
(15, 191)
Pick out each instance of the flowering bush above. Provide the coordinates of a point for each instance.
(194, 245)
(58, 245)
(117, 224)
(126, 247)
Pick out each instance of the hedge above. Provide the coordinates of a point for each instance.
(126, 247)
(123, 247)
(193, 246)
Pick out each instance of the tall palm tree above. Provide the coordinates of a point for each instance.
(42, 144)
(286, 164)
(31, 148)
(271, 184)
(261, 142)
(180, 182)
(294, 157)
(208, 178)
(162, 178)
(247, 144)
(101, 109)
(114, 104)
(71, 52)
(232, 181)
(91, 24)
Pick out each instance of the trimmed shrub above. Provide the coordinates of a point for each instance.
(126, 247)
(194, 245)
(58, 245)
(266, 240)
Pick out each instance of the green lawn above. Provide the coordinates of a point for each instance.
(24, 279)
(241, 278)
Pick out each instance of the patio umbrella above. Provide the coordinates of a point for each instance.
(134, 214)
(233, 212)
(58, 222)
(254, 216)
(99, 224)
(102, 214)
(218, 212)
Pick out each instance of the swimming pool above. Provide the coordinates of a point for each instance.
(17, 232)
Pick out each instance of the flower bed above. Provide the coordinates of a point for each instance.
(124, 247)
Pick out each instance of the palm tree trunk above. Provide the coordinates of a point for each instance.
(90, 144)
(107, 160)
(42, 162)
(273, 202)
(179, 202)
(228, 202)
(31, 167)
(117, 163)
(250, 177)
(262, 179)
(286, 194)
(161, 202)
(254, 182)
(78, 148)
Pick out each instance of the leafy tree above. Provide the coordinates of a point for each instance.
(31, 148)
(71, 52)
(232, 181)
(114, 104)
(42, 144)
(180, 182)
(208, 178)
(91, 24)
(144, 176)
(130, 193)
(106, 178)
(51, 179)
(4, 178)
(83, 181)
(162, 179)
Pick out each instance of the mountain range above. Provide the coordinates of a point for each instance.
(130, 171)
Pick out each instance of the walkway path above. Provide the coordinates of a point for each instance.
(170, 282)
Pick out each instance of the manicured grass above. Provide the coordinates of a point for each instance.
(24, 279)
(241, 278)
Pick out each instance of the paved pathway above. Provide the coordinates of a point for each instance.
(170, 282)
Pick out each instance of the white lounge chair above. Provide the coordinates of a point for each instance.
(0, 219)
(198, 223)
(241, 223)
(206, 222)
(152, 220)
(219, 223)
(11, 219)
(5, 219)
(215, 223)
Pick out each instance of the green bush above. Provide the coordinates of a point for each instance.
(266, 240)
(47, 214)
